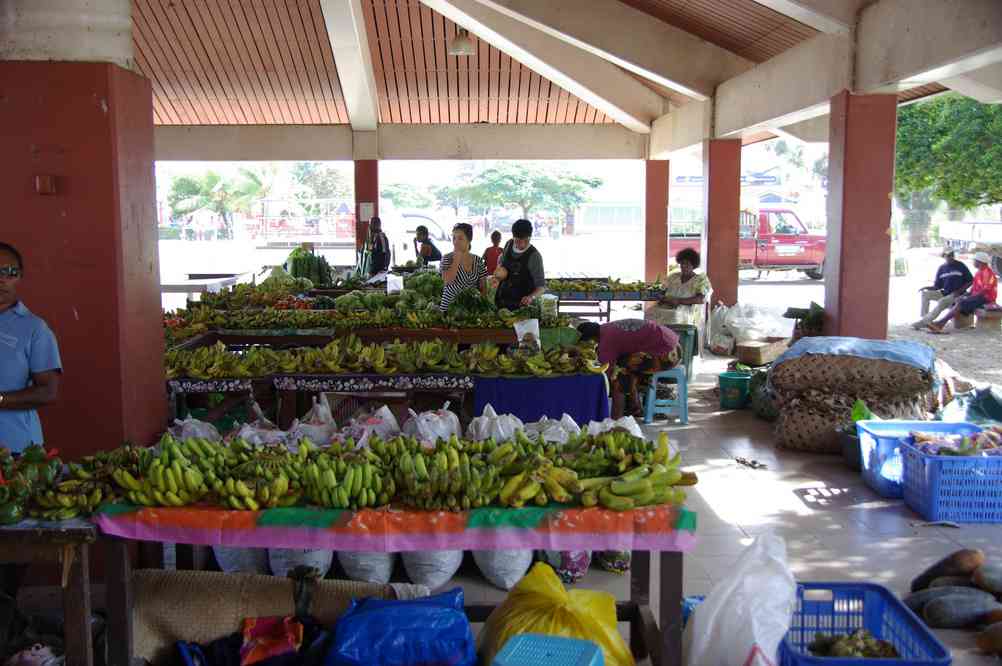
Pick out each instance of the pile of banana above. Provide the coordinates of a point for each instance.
(171, 479)
(68, 499)
(350, 355)
(336, 483)
(449, 477)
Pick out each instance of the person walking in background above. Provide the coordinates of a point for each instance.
(461, 269)
(984, 291)
(952, 280)
(493, 253)
(380, 247)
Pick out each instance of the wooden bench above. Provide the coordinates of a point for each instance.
(989, 319)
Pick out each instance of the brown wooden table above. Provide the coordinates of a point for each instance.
(67, 544)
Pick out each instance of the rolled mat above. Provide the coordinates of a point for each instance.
(849, 374)
(201, 606)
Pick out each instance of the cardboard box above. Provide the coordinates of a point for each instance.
(760, 352)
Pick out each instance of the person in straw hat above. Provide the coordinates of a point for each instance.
(983, 292)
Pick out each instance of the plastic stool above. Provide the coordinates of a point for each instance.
(678, 407)
(536, 649)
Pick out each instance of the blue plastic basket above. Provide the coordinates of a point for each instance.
(880, 450)
(959, 489)
(536, 649)
(842, 608)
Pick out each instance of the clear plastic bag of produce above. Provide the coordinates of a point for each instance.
(627, 423)
(757, 322)
(417, 632)
(261, 430)
(192, 427)
(429, 427)
(553, 430)
(382, 423)
(540, 604)
(526, 328)
(720, 341)
(394, 283)
(501, 427)
(317, 425)
(432, 568)
(283, 560)
(503, 568)
(746, 615)
(368, 567)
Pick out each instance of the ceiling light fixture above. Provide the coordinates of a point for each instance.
(462, 45)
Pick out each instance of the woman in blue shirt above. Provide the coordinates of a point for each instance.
(29, 360)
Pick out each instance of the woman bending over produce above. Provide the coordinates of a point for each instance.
(461, 270)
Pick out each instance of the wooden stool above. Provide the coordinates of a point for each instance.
(963, 322)
(989, 319)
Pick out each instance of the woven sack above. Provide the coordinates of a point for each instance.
(201, 606)
(850, 374)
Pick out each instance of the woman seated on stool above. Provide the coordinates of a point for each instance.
(686, 290)
(983, 291)
(633, 348)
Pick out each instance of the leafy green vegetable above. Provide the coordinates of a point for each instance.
(860, 412)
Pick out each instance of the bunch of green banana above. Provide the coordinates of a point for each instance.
(68, 499)
(448, 477)
(256, 494)
(336, 483)
(642, 486)
(613, 452)
(171, 479)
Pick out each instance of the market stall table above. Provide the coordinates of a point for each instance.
(584, 397)
(667, 530)
(68, 544)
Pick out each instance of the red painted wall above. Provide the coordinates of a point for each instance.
(90, 249)
(861, 181)
(656, 219)
(722, 171)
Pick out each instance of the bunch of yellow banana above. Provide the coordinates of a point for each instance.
(641, 486)
(256, 494)
(68, 499)
(338, 484)
(540, 484)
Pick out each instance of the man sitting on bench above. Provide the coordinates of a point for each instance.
(952, 280)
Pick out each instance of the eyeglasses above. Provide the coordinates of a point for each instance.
(10, 272)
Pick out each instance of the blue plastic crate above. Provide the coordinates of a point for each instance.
(536, 649)
(880, 450)
(842, 608)
(961, 489)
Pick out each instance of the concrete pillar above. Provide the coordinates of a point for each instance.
(860, 185)
(90, 245)
(366, 197)
(656, 219)
(722, 175)
(90, 248)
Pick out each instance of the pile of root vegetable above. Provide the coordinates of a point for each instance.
(962, 591)
(614, 470)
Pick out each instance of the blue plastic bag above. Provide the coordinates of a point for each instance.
(432, 631)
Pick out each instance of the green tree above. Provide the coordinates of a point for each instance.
(405, 195)
(252, 185)
(566, 192)
(210, 191)
(319, 180)
(948, 149)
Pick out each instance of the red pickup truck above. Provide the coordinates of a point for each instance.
(774, 239)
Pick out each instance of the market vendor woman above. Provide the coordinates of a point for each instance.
(634, 349)
(29, 360)
(519, 275)
(461, 270)
(686, 290)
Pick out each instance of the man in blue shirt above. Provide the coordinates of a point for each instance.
(29, 360)
(952, 280)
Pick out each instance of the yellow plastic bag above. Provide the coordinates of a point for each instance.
(539, 604)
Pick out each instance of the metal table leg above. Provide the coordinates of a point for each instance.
(76, 609)
(118, 578)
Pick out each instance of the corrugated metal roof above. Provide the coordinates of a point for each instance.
(232, 62)
(744, 27)
(418, 82)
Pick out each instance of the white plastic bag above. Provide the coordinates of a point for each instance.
(283, 560)
(368, 567)
(525, 328)
(627, 423)
(429, 427)
(394, 283)
(192, 427)
(317, 425)
(503, 568)
(746, 323)
(746, 615)
(554, 431)
(491, 425)
(261, 430)
(719, 340)
(432, 568)
(241, 560)
(382, 423)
